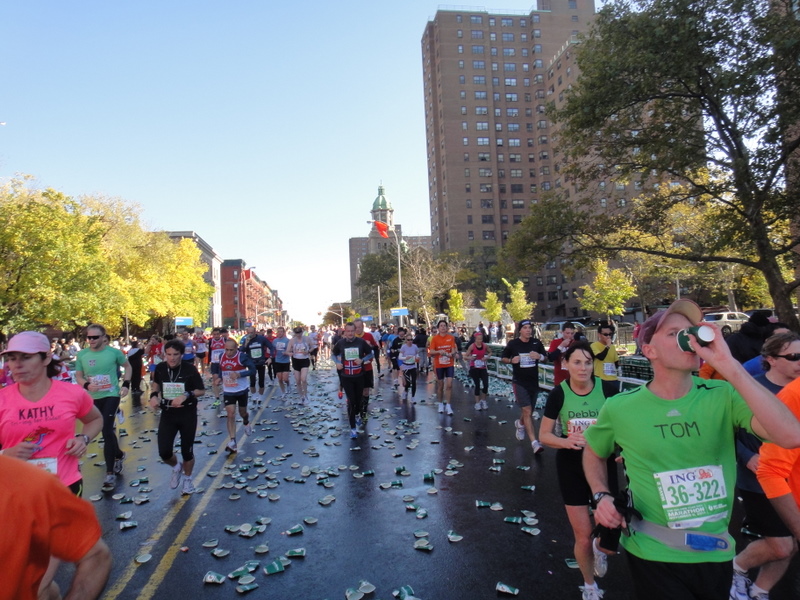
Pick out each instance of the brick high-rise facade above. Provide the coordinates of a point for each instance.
(489, 141)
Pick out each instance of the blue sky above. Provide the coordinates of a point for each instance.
(266, 127)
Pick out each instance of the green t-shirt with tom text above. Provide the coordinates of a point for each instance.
(680, 460)
(101, 368)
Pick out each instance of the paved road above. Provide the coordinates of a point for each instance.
(365, 533)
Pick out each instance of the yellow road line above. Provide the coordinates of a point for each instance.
(166, 562)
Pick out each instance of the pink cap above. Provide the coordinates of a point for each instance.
(684, 306)
(29, 342)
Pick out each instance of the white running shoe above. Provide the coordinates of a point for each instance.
(175, 478)
(537, 447)
(188, 486)
(231, 447)
(449, 409)
(591, 593)
(600, 560)
(477, 406)
(441, 407)
(520, 433)
(248, 429)
(484, 406)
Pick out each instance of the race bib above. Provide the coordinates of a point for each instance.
(579, 425)
(255, 353)
(216, 355)
(102, 381)
(409, 360)
(479, 363)
(526, 362)
(609, 369)
(46, 464)
(691, 497)
(444, 360)
(280, 346)
(172, 390)
(228, 381)
(351, 353)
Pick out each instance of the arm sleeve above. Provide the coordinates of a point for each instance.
(774, 468)
(600, 436)
(555, 402)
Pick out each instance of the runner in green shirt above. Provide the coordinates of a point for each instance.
(676, 435)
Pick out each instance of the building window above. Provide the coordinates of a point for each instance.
(501, 157)
(621, 202)
(509, 67)
(509, 52)
(516, 188)
(542, 139)
(466, 156)
(603, 202)
(516, 173)
(469, 219)
(477, 50)
(479, 64)
(517, 203)
(514, 142)
(488, 235)
(513, 126)
(477, 34)
(546, 185)
(510, 81)
(512, 112)
(504, 219)
(517, 219)
(480, 96)
(476, 20)
(540, 296)
(478, 79)
(545, 170)
(470, 235)
(511, 97)
(466, 141)
(508, 37)
(487, 203)
(499, 141)
(486, 188)
(481, 110)
(552, 295)
(466, 172)
(482, 141)
(482, 126)
(484, 172)
(462, 80)
(484, 157)
(469, 203)
(515, 158)
(487, 219)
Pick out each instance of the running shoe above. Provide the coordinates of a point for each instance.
(591, 593)
(188, 486)
(353, 434)
(740, 586)
(520, 433)
(120, 416)
(175, 478)
(405, 395)
(484, 406)
(231, 447)
(449, 409)
(340, 394)
(441, 407)
(359, 422)
(109, 483)
(537, 447)
(600, 560)
(477, 406)
(119, 464)
(248, 429)
(215, 404)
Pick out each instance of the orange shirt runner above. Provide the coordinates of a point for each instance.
(443, 342)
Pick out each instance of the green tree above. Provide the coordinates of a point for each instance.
(377, 270)
(518, 308)
(705, 94)
(67, 262)
(492, 307)
(455, 306)
(427, 278)
(609, 291)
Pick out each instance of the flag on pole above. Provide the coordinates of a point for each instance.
(383, 228)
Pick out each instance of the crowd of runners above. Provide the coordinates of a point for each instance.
(679, 437)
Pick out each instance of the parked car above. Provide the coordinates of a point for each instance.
(728, 321)
(552, 329)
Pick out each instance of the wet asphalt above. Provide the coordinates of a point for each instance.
(298, 455)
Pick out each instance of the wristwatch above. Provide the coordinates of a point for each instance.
(599, 495)
(84, 436)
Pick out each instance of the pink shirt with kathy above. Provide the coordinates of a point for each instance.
(48, 423)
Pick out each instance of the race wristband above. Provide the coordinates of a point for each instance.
(154, 394)
(126, 383)
(86, 386)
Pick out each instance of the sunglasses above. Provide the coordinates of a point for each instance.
(92, 337)
(794, 357)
